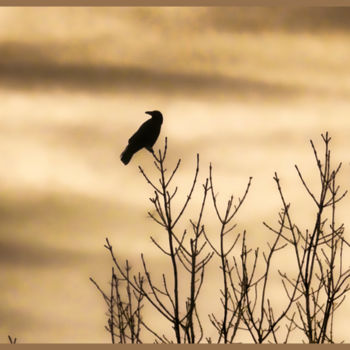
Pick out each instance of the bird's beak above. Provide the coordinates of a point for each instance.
(148, 112)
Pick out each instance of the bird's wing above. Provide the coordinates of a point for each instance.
(141, 132)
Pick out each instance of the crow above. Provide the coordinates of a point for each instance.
(144, 137)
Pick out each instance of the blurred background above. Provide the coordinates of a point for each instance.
(246, 88)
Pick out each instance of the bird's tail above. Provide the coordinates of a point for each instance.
(127, 154)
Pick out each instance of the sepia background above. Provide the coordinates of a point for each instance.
(246, 88)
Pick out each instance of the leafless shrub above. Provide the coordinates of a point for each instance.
(12, 340)
(313, 294)
(321, 279)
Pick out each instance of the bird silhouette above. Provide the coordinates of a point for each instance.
(144, 137)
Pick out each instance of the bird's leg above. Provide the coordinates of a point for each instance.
(150, 149)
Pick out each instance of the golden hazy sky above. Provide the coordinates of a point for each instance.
(246, 88)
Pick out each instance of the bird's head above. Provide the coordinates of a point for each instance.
(156, 115)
